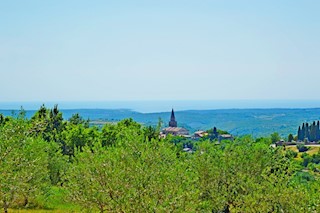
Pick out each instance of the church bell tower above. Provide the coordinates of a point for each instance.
(173, 122)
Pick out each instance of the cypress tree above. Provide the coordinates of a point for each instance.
(1, 119)
(299, 134)
(303, 132)
(307, 132)
(313, 131)
(318, 131)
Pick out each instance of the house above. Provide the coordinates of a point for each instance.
(200, 134)
(225, 137)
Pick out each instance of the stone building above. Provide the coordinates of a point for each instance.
(173, 128)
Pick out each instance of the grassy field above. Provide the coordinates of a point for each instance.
(41, 211)
(313, 150)
(54, 202)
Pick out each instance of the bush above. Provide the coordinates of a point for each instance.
(291, 154)
(316, 158)
(306, 159)
(302, 148)
(304, 177)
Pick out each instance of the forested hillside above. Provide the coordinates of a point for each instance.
(62, 165)
(256, 122)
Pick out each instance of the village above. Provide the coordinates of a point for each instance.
(174, 130)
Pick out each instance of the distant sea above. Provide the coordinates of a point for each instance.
(165, 106)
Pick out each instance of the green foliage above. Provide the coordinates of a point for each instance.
(150, 133)
(214, 133)
(3, 119)
(316, 158)
(222, 132)
(149, 176)
(76, 119)
(23, 164)
(230, 181)
(291, 154)
(302, 148)
(47, 124)
(125, 167)
(308, 160)
(57, 163)
(75, 137)
(264, 140)
(275, 137)
(303, 178)
(290, 137)
(115, 134)
(309, 132)
(109, 135)
(140, 176)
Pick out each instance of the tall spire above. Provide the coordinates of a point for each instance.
(173, 122)
(172, 115)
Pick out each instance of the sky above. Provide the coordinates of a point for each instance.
(123, 50)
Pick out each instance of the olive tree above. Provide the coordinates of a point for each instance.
(132, 177)
(23, 163)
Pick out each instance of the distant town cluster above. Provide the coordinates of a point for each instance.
(174, 130)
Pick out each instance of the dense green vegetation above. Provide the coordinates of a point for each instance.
(50, 163)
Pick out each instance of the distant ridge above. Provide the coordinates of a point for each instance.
(166, 105)
(258, 122)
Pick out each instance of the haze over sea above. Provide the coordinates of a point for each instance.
(166, 105)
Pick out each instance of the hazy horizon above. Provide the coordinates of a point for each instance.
(166, 105)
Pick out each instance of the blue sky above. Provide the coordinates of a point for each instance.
(159, 50)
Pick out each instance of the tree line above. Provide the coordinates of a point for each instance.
(309, 132)
(126, 167)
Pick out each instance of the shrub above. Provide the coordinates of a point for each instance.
(302, 148)
(304, 177)
(291, 154)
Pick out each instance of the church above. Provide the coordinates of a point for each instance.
(173, 128)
